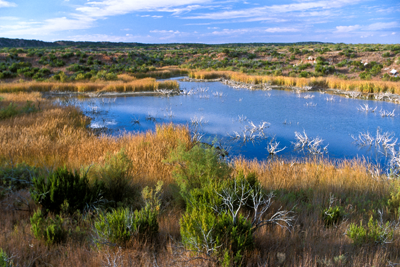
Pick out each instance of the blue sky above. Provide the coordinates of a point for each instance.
(202, 21)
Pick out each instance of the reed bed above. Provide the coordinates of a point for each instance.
(135, 85)
(329, 82)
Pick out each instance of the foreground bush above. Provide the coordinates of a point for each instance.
(51, 230)
(120, 225)
(63, 187)
(5, 260)
(376, 232)
(114, 175)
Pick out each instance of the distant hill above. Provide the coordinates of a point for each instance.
(8, 42)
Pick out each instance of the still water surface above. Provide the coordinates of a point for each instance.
(332, 118)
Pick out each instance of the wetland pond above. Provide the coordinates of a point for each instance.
(249, 122)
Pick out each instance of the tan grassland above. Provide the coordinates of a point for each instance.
(57, 136)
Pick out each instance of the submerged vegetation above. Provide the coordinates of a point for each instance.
(162, 197)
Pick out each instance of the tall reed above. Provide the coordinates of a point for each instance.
(324, 82)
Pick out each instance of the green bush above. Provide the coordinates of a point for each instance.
(5, 260)
(114, 174)
(394, 201)
(63, 186)
(9, 111)
(120, 225)
(199, 169)
(202, 230)
(332, 215)
(51, 230)
(374, 233)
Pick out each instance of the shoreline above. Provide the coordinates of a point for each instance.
(387, 97)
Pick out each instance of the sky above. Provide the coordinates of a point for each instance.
(202, 21)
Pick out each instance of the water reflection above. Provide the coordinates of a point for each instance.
(252, 122)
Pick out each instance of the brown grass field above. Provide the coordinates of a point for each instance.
(57, 136)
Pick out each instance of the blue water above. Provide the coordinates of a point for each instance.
(286, 111)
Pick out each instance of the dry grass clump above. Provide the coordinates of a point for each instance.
(58, 136)
(358, 85)
(321, 175)
(131, 85)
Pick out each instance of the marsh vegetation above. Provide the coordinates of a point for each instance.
(72, 196)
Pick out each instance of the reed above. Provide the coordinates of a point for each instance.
(324, 82)
(131, 85)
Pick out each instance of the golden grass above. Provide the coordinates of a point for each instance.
(134, 85)
(57, 136)
(329, 82)
(323, 176)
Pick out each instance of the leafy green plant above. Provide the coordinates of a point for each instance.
(60, 186)
(332, 215)
(218, 236)
(198, 170)
(114, 175)
(120, 225)
(376, 232)
(5, 260)
(9, 111)
(394, 201)
(51, 230)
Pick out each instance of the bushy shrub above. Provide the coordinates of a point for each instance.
(5, 260)
(332, 215)
(51, 230)
(202, 230)
(374, 233)
(198, 170)
(63, 186)
(9, 111)
(114, 174)
(394, 201)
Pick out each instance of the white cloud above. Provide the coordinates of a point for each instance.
(48, 27)
(7, 4)
(277, 29)
(251, 30)
(267, 11)
(9, 18)
(381, 26)
(165, 31)
(156, 17)
(120, 7)
(347, 28)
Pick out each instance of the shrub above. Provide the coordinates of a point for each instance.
(51, 230)
(332, 215)
(17, 177)
(199, 168)
(63, 186)
(9, 111)
(374, 233)
(5, 260)
(204, 231)
(394, 201)
(120, 225)
(114, 175)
